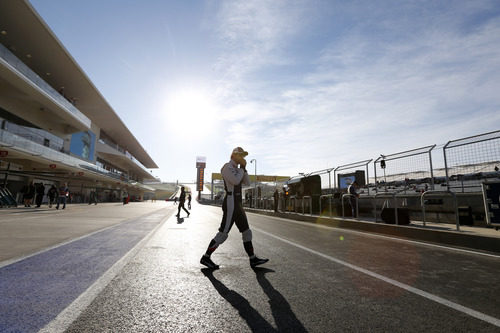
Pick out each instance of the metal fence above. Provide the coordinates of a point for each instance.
(472, 160)
(468, 162)
(352, 167)
(400, 171)
(325, 174)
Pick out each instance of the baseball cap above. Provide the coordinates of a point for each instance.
(240, 151)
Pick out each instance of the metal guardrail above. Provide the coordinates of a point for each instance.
(357, 206)
(294, 200)
(330, 196)
(422, 203)
(310, 205)
(386, 195)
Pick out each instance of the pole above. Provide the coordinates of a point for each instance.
(446, 166)
(432, 172)
(255, 193)
(212, 191)
(6, 175)
(255, 184)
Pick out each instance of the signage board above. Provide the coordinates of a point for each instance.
(201, 161)
(491, 197)
(4, 153)
(200, 179)
(83, 144)
(52, 166)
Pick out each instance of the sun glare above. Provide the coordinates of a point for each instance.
(191, 112)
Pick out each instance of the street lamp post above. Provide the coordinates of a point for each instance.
(255, 184)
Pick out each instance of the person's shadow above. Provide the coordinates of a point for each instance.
(254, 320)
(283, 315)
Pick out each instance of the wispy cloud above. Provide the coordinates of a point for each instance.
(394, 79)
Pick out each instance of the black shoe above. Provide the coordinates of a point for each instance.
(189, 214)
(208, 262)
(257, 261)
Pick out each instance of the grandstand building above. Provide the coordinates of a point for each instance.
(55, 126)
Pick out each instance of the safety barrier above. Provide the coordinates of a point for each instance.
(293, 204)
(357, 206)
(310, 205)
(329, 196)
(386, 195)
(422, 203)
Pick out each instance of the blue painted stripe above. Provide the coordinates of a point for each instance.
(35, 290)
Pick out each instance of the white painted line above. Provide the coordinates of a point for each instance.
(432, 297)
(17, 259)
(73, 311)
(372, 235)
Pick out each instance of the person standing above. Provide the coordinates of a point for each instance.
(40, 192)
(29, 194)
(182, 199)
(93, 197)
(125, 198)
(353, 198)
(52, 194)
(276, 197)
(232, 209)
(189, 201)
(63, 195)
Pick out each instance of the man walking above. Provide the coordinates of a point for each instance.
(232, 209)
(40, 192)
(182, 199)
(52, 194)
(63, 194)
(93, 197)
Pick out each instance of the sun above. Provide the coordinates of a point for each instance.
(190, 112)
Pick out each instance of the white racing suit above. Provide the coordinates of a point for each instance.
(232, 208)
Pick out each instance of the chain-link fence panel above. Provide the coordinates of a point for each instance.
(471, 161)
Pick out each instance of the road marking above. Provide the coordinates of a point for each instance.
(17, 259)
(73, 311)
(432, 297)
(367, 234)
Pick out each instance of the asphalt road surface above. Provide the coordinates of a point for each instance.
(318, 279)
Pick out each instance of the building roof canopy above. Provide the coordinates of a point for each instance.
(25, 33)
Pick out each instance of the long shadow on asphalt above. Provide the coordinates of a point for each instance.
(283, 315)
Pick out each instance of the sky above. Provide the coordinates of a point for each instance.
(302, 85)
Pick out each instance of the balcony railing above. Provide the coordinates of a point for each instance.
(36, 135)
(19, 143)
(31, 76)
(124, 152)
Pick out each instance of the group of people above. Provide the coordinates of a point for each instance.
(37, 191)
